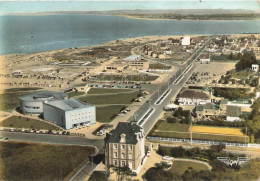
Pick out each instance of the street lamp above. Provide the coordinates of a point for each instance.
(190, 120)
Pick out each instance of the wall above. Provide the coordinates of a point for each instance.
(31, 104)
(54, 114)
(83, 115)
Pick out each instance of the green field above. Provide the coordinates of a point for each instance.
(179, 167)
(177, 130)
(109, 102)
(107, 91)
(23, 122)
(24, 161)
(121, 98)
(165, 126)
(9, 100)
(74, 94)
(242, 74)
(105, 113)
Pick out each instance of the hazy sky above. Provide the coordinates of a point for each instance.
(47, 6)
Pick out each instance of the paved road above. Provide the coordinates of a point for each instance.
(175, 88)
(51, 139)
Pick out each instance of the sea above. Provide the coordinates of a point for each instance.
(30, 34)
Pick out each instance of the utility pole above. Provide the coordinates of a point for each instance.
(190, 130)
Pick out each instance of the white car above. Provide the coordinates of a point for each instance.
(167, 158)
(1, 129)
(148, 153)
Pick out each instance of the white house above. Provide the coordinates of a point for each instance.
(233, 113)
(192, 97)
(205, 58)
(255, 67)
(185, 41)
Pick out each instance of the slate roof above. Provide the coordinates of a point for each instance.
(233, 111)
(208, 106)
(192, 94)
(124, 128)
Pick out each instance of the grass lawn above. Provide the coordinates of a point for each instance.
(9, 100)
(105, 113)
(242, 74)
(121, 98)
(179, 167)
(23, 122)
(165, 126)
(177, 130)
(24, 161)
(107, 91)
(74, 94)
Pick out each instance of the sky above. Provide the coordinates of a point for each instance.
(49, 6)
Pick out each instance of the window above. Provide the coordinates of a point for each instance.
(115, 162)
(115, 146)
(123, 155)
(130, 147)
(130, 156)
(115, 154)
(123, 163)
(122, 147)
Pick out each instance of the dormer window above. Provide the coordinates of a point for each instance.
(122, 138)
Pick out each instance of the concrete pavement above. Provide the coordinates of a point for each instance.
(51, 139)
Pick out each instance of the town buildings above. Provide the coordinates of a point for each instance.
(124, 146)
(192, 97)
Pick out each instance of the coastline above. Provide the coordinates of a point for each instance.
(121, 15)
(174, 19)
(3, 56)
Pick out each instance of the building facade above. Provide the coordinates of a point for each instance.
(69, 113)
(124, 146)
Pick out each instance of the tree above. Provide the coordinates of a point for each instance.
(178, 151)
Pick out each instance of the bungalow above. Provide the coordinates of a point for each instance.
(204, 58)
(192, 97)
(207, 110)
(233, 113)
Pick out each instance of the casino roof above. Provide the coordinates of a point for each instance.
(68, 104)
(43, 96)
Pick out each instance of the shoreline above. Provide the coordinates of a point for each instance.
(173, 19)
(121, 15)
(2, 56)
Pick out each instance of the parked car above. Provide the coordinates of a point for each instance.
(148, 153)
(1, 129)
(167, 158)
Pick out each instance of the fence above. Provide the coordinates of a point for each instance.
(244, 145)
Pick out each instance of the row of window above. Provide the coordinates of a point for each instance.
(122, 163)
(29, 107)
(123, 155)
(130, 147)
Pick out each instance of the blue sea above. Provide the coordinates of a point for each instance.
(29, 34)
